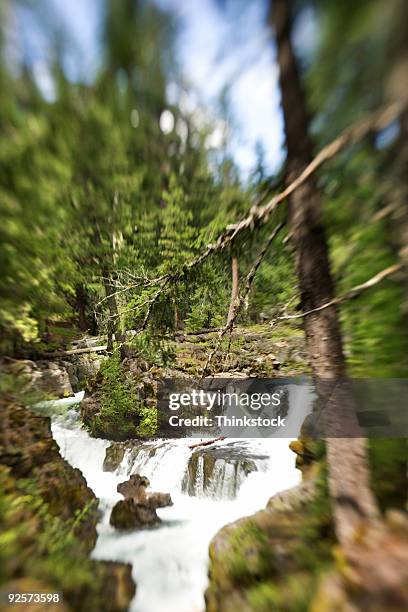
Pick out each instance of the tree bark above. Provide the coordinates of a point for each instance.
(113, 314)
(234, 288)
(353, 501)
(81, 303)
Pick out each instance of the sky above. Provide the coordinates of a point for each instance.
(218, 50)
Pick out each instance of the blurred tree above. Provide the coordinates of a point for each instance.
(322, 328)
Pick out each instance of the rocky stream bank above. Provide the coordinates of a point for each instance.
(48, 518)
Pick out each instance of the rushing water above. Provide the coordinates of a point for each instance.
(170, 561)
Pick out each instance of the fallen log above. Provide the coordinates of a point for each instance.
(206, 442)
(80, 351)
(200, 332)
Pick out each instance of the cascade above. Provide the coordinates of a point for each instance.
(210, 487)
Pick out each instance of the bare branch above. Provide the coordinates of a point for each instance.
(260, 214)
(243, 295)
(352, 293)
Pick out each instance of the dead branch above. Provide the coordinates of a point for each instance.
(80, 351)
(260, 214)
(242, 295)
(352, 293)
(207, 442)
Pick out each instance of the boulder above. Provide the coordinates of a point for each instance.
(255, 561)
(118, 587)
(134, 488)
(51, 377)
(114, 456)
(127, 514)
(138, 509)
(29, 455)
(29, 450)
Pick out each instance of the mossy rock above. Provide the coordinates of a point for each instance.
(48, 521)
(114, 457)
(271, 560)
(127, 514)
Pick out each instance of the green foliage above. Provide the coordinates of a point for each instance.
(294, 597)
(274, 286)
(118, 414)
(263, 563)
(356, 184)
(208, 303)
(148, 425)
(316, 531)
(121, 415)
(38, 544)
(177, 235)
(360, 248)
(155, 349)
(388, 464)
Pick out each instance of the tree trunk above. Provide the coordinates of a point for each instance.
(113, 314)
(81, 303)
(234, 289)
(353, 501)
(113, 325)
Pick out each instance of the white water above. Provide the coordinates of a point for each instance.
(170, 561)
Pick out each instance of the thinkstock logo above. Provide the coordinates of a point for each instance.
(283, 407)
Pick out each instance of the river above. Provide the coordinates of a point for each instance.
(170, 561)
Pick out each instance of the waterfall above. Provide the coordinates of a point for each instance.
(199, 479)
(210, 487)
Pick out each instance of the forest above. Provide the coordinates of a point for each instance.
(147, 235)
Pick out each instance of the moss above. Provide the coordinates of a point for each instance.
(121, 415)
(148, 421)
(316, 532)
(249, 555)
(273, 560)
(34, 542)
(293, 596)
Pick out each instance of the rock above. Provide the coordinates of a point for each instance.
(113, 457)
(28, 454)
(331, 595)
(135, 488)
(141, 389)
(51, 377)
(83, 368)
(127, 514)
(90, 408)
(255, 561)
(138, 509)
(118, 587)
(305, 451)
(158, 500)
(219, 471)
(29, 450)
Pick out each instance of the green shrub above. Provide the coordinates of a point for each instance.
(121, 414)
(37, 544)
